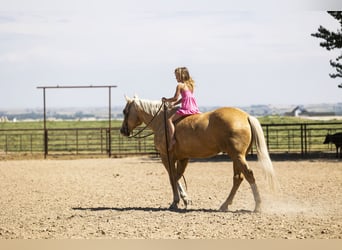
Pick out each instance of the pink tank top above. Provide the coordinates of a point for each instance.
(189, 104)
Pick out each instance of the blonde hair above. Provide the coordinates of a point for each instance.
(185, 77)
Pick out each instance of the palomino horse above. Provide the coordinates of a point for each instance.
(204, 135)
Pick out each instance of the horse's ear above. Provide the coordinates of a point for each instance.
(127, 98)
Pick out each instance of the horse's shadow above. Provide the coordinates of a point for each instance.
(155, 209)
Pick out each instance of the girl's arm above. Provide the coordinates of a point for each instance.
(177, 102)
(175, 97)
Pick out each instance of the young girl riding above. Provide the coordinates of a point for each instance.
(185, 89)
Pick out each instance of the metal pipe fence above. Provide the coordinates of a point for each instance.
(302, 139)
(74, 141)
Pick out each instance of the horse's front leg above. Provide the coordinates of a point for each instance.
(181, 165)
(171, 169)
(186, 200)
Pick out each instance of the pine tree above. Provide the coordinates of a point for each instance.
(333, 40)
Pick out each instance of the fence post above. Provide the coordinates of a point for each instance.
(101, 141)
(6, 148)
(110, 121)
(76, 141)
(107, 141)
(45, 129)
(45, 143)
(306, 139)
(267, 137)
(31, 144)
(302, 139)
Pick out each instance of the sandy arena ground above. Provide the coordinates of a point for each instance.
(128, 199)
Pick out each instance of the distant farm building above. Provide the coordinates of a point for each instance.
(3, 119)
(301, 111)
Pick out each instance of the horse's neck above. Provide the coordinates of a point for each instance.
(147, 111)
(146, 117)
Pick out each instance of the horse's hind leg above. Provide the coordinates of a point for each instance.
(241, 167)
(248, 173)
(237, 179)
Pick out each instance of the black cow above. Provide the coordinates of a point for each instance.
(336, 139)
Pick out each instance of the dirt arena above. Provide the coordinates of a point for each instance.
(128, 199)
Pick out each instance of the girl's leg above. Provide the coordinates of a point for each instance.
(172, 130)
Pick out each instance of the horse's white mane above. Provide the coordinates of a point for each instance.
(151, 107)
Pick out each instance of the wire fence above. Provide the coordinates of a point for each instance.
(302, 139)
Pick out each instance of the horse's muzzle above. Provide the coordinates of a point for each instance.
(124, 131)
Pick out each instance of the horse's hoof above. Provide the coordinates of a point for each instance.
(173, 207)
(223, 209)
(187, 202)
(257, 209)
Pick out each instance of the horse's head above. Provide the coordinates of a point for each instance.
(327, 139)
(131, 117)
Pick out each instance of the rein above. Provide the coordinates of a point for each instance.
(167, 148)
(148, 124)
(171, 172)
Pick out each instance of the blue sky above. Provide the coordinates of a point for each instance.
(238, 54)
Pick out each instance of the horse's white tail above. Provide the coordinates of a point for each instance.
(262, 152)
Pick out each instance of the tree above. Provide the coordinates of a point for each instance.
(333, 40)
